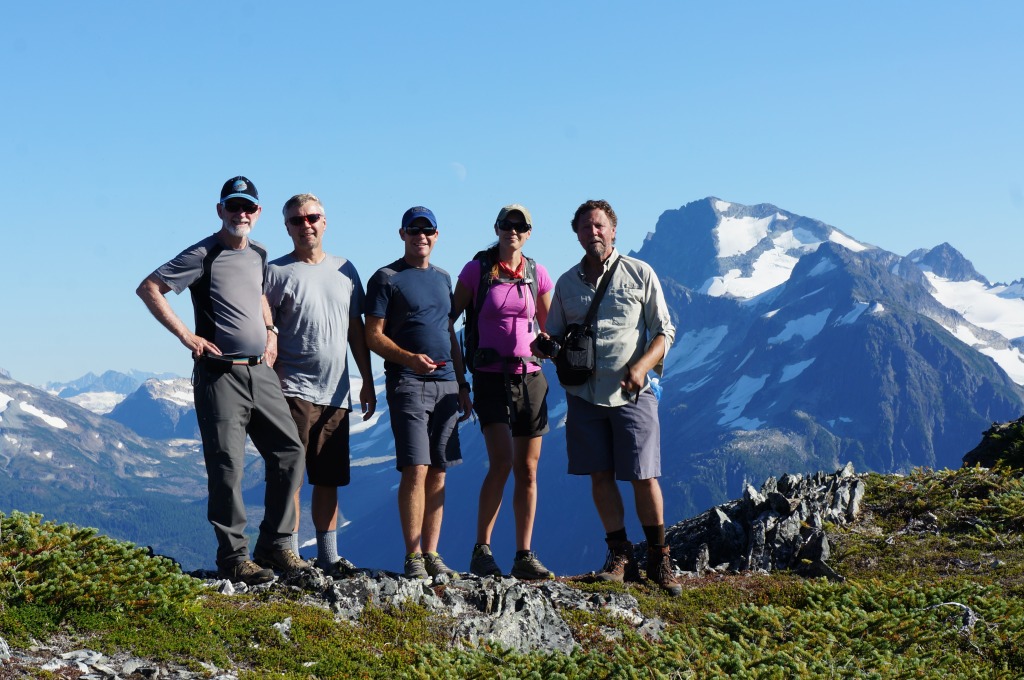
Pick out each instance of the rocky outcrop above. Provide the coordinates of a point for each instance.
(780, 526)
(1001, 443)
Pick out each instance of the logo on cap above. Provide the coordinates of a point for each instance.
(239, 185)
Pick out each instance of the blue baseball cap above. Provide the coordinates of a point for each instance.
(240, 187)
(416, 212)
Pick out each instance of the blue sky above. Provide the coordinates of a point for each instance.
(899, 123)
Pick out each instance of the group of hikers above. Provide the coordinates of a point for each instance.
(271, 345)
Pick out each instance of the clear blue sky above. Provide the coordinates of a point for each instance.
(899, 123)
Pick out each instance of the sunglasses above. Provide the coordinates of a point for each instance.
(416, 231)
(240, 206)
(299, 220)
(519, 227)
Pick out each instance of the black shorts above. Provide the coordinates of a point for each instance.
(491, 401)
(324, 432)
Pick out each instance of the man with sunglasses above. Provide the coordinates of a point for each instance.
(236, 390)
(408, 304)
(317, 303)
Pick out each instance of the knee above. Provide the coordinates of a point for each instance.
(526, 474)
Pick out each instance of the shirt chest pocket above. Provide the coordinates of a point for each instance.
(625, 304)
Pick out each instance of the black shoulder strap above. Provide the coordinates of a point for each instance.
(605, 280)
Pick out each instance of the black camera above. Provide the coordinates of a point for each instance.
(548, 346)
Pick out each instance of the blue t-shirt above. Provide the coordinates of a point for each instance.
(415, 304)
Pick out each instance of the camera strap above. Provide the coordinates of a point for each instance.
(601, 288)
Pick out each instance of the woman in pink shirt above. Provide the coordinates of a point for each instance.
(510, 389)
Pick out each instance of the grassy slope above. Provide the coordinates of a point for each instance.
(933, 589)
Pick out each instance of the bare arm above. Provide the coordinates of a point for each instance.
(152, 291)
(270, 353)
(361, 355)
(386, 347)
(465, 400)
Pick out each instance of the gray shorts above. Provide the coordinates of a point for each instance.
(626, 439)
(425, 421)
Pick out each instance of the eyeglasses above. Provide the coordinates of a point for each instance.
(240, 206)
(416, 231)
(519, 227)
(299, 220)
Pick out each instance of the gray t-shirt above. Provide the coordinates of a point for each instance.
(228, 301)
(312, 305)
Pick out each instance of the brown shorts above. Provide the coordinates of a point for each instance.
(324, 432)
(491, 401)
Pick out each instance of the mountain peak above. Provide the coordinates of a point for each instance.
(946, 261)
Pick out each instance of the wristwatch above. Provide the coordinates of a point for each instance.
(465, 386)
(272, 329)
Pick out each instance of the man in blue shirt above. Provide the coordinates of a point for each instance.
(408, 303)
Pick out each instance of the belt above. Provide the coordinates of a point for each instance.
(233, 361)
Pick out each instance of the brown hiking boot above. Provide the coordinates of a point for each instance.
(247, 572)
(659, 569)
(620, 565)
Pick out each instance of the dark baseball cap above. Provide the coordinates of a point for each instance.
(418, 211)
(239, 187)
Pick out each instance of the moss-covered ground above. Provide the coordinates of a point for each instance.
(932, 588)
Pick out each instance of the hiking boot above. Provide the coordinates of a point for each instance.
(528, 568)
(436, 566)
(620, 565)
(482, 563)
(247, 572)
(659, 569)
(280, 559)
(342, 568)
(414, 566)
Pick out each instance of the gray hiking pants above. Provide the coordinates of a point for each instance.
(232, 401)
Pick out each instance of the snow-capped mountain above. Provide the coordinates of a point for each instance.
(101, 393)
(798, 348)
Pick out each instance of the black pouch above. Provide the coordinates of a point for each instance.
(575, 362)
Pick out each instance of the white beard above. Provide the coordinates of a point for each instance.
(238, 230)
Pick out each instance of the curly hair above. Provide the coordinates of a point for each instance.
(602, 205)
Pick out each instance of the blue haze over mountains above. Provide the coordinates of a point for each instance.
(797, 349)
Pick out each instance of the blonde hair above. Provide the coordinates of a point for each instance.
(299, 200)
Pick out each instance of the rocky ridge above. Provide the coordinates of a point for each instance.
(782, 525)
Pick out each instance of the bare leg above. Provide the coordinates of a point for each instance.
(410, 505)
(524, 498)
(499, 454)
(608, 501)
(649, 504)
(433, 509)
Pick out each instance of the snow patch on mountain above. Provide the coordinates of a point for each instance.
(772, 268)
(737, 235)
(791, 371)
(825, 265)
(846, 242)
(97, 402)
(735, 399)
(852, 316)
(805, 327)
(52, 421)
(693, 348)
(984, 306)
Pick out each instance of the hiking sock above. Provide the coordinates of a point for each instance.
(618, 536)
(326, 547)
(655, 535)
(293, 544)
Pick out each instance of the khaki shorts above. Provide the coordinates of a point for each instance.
(324, 432)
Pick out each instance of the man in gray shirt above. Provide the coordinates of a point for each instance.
(317, 300)
(612, 430)
(236, 391)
